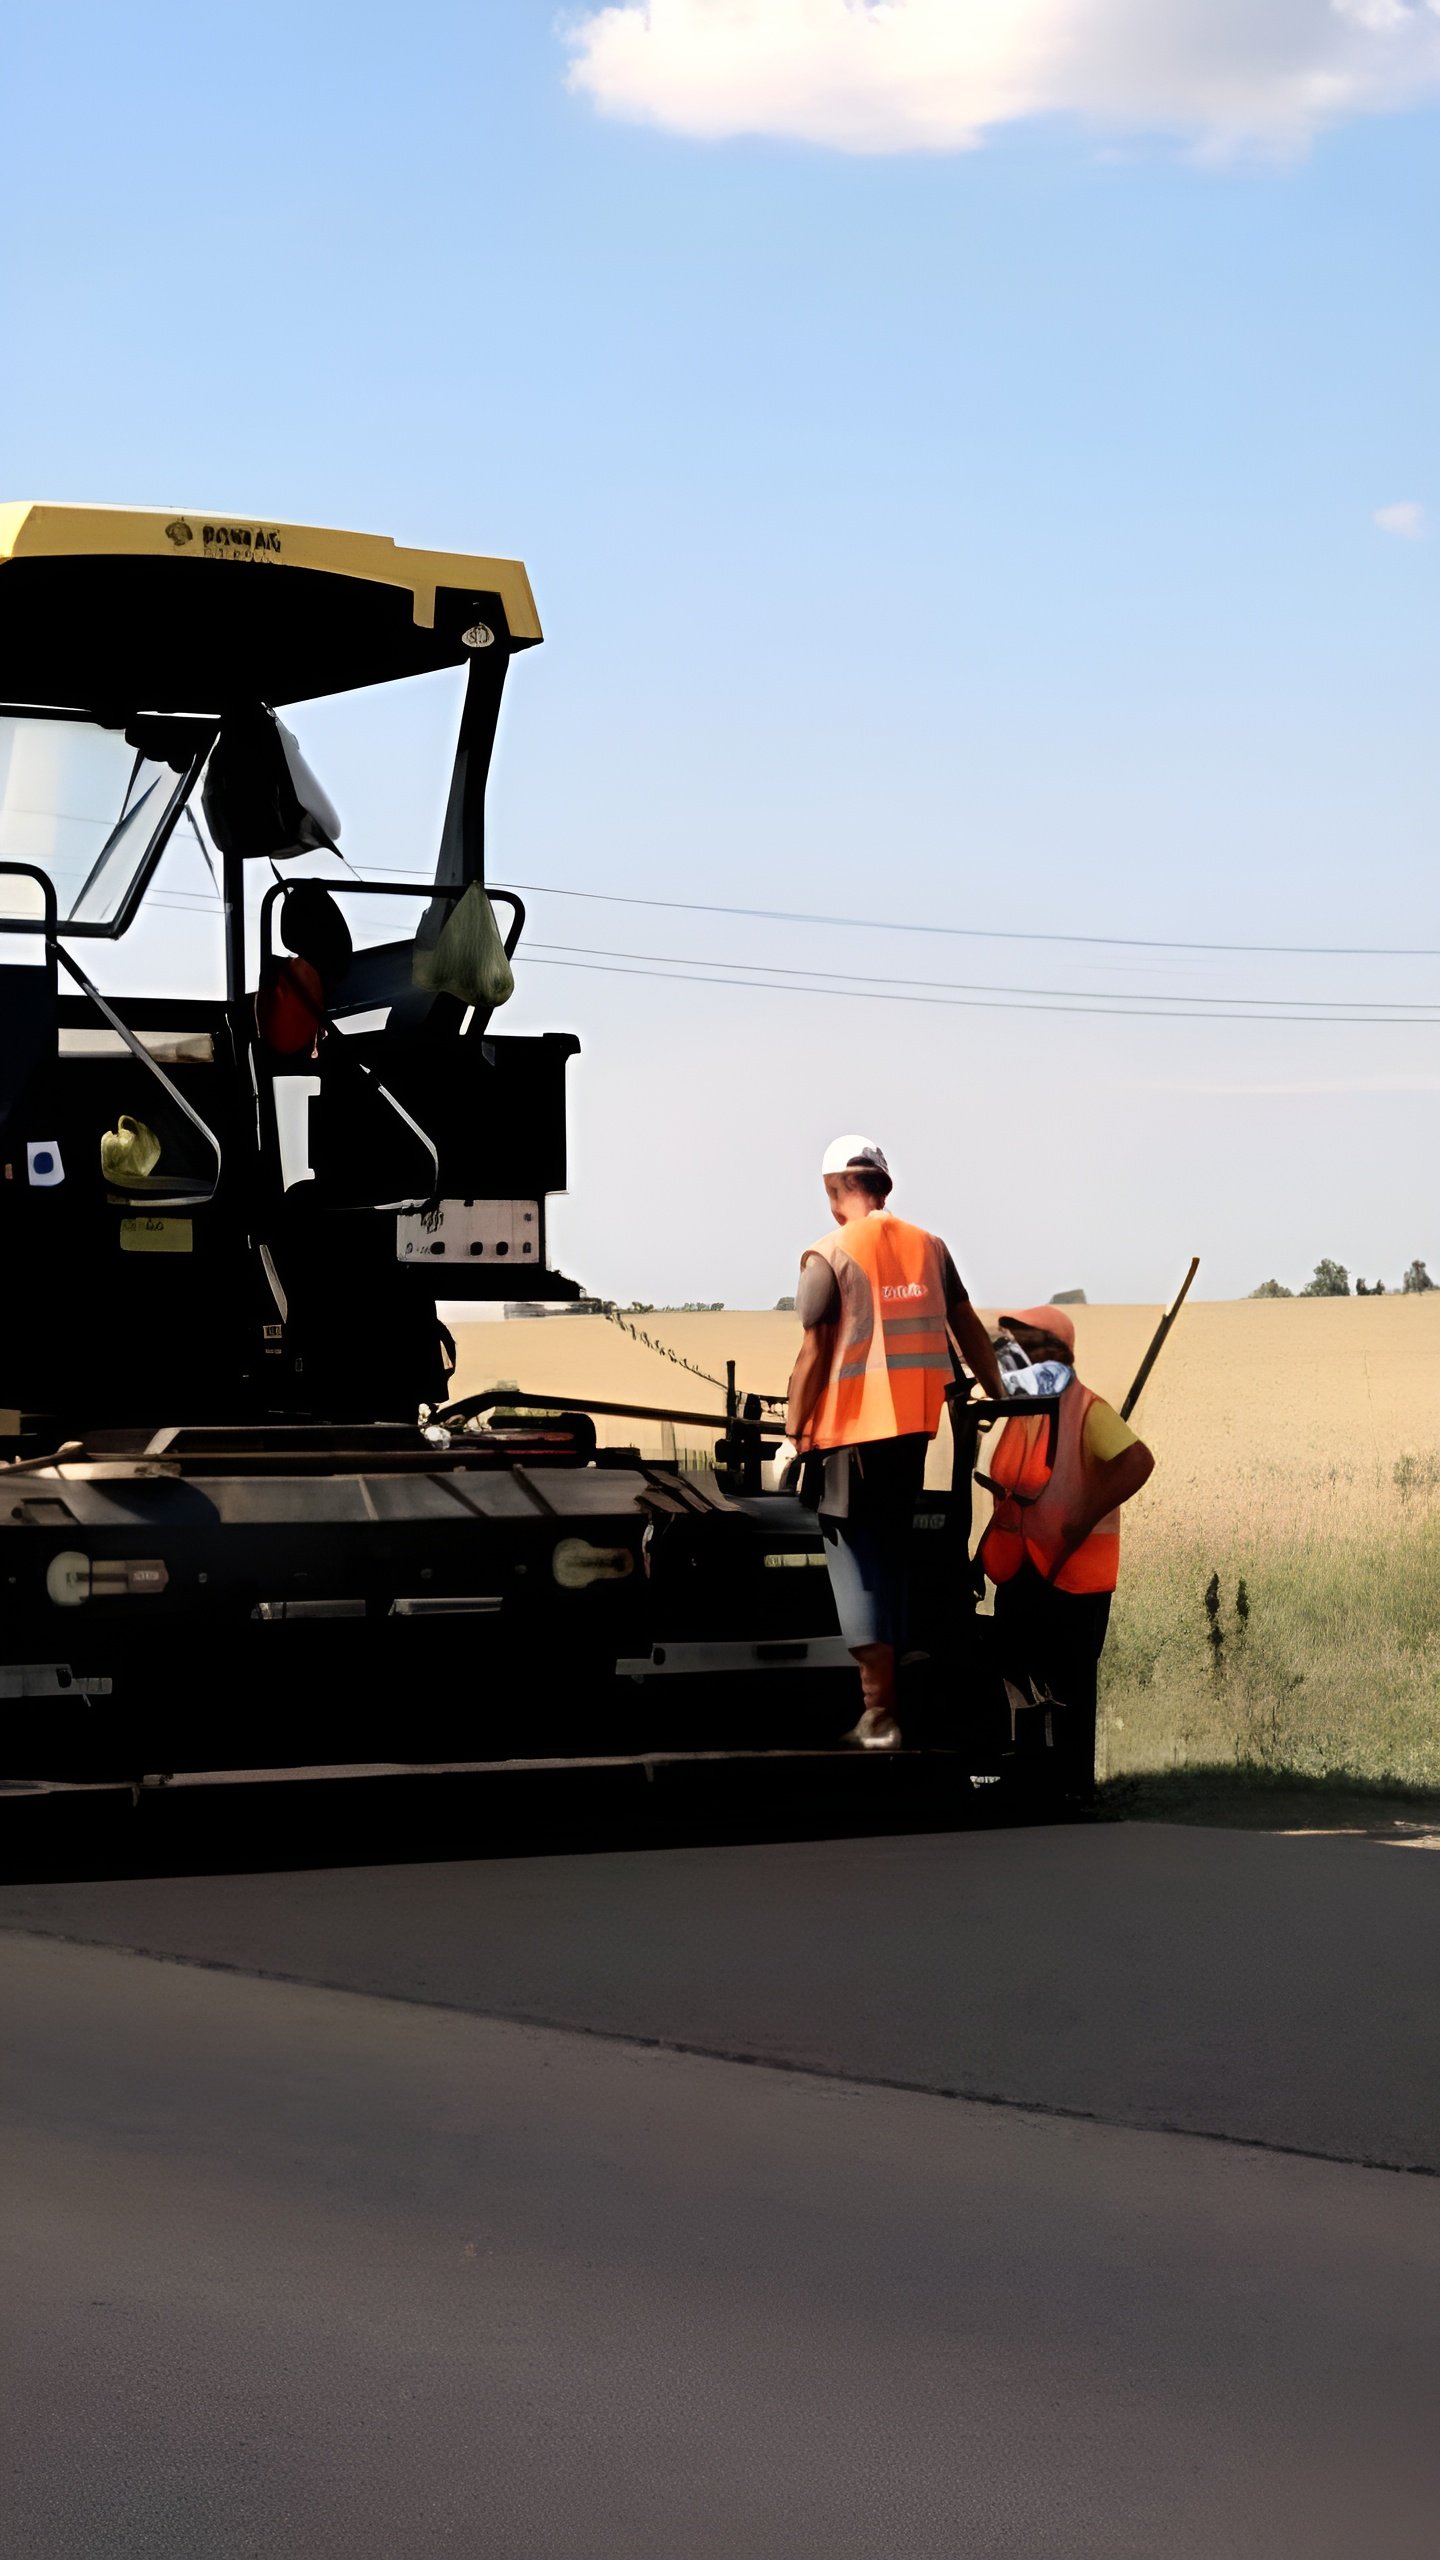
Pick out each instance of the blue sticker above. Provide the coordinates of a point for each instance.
(42, 1156)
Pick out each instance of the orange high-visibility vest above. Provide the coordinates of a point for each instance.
(1039, 1499)
(891, 1360)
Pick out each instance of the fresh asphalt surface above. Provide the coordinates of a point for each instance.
(943, 2195)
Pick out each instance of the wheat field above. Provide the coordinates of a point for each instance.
(1297, 1447)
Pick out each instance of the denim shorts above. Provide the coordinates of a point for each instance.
(869, 1577)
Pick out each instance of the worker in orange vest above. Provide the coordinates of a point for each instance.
(880, 1302)
(1052, 1548)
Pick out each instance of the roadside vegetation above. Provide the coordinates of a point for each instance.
(1331, 1280)
(1287, 1623)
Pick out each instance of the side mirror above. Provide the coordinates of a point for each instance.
(260, 798)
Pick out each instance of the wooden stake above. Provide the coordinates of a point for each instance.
(1158, 1343)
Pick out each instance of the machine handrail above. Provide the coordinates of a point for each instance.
(988, 1409)
(49, 923)
(150, 1199)
(423, 891)
(466, 1408)
(56, 957)
(326, 1019)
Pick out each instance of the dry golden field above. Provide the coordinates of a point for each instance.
(1298, 1452)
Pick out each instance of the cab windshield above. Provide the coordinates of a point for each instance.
(91, 807)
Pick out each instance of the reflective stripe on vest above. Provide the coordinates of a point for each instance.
(1030, 1517)
(891, 1363)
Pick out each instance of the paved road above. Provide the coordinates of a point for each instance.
(1276, 1990)
(300, 2270)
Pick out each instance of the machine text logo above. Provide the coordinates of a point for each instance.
(240, 542)
(179, 532)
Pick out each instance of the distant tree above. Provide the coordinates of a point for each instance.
(702, 1307)
(1416, 1279)
(1272, 1289)
(784, 1306)
(1331, 1280)
(1369, 1288)
(641, 1307)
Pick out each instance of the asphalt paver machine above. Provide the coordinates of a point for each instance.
(242, 1524)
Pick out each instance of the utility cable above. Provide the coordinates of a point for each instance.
(988, 933)
(979, 1004)
(958, 994)
(1425, 1007)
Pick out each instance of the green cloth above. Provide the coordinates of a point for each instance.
(468, 958)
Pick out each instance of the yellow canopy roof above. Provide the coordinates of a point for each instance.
(186, 610)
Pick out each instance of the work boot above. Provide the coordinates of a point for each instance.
(875, 1732)
(877, 1729)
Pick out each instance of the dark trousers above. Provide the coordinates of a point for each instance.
(1051, 1641)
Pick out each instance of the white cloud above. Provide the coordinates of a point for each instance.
(937, 75)
(1406, 517)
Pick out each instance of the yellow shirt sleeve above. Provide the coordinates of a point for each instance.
(1105, 1434)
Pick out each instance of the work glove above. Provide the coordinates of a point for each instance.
(785, 1468)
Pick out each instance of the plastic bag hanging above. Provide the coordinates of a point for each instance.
(468, 957)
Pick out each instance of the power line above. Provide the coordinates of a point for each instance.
(980, 1004)
(987, 933)
(954, 994)
(424, 888)
(1423, 1008)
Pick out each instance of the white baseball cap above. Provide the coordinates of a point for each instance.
(843, 1154)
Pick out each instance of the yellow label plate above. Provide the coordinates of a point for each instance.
(157, 1235)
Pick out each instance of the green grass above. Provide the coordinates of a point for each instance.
(1333, 1670)
(1270, 1800)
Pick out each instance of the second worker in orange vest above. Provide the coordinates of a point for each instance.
(879, 1300)
(1052, 1548)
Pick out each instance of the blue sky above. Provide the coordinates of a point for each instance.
(981, 537)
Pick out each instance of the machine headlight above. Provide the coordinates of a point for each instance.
(576, 1564)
